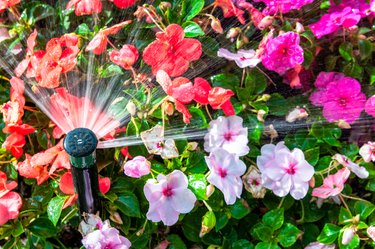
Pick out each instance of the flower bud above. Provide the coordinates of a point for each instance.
(371, 232)
(115, 217)
(216, 25)
(348, 235)
(233, 33)
(260, 115)
(296, 114)
(131, 108)
(265, 22)
(210, 190)
(168, 108)
(343, 124)
(165, 5)
(299, 27)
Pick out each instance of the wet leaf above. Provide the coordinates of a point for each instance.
(192, 29)
(191, 8)
(364, 209)
(274, 218)
(176, 242)
(262, 232)
(267, 245)
(239, 210)
(365, 49)
(198, 184)
(54, 208)
(128, 204)
(288, 235)
(42, 227)
(329, 233)
(346, 51)
(227, 81)
(242, 244)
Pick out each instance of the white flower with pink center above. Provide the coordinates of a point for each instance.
(168, 196)
(284, 171)
(225, 173)
(367, 151)
(229, 134)
(360, 171)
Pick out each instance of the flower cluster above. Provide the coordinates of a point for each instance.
(226, 140)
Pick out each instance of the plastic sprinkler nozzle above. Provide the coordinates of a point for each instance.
(81, 144)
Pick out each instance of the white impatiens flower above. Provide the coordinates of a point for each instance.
(225, 173)
(243, 58)
(229, 134)
(360, 171)
(284, 171)
(367, 151)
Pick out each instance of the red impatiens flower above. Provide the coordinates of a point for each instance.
(99, 43)
(123, 4)
(25, 169)
(32, 59)
(10, 202)
(85, 7)
(229, 10)
(67, 187)
(14, 143)
(172, 52)
(55, 156)
(217, 97)
(124, 57)
(5, 4)
(180, 90)
(60, 58)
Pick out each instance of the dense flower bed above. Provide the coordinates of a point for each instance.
(281, 92)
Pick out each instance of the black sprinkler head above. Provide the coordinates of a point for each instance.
(80, 142)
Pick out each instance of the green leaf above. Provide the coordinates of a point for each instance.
(17, 229)
(255, 82)
(109, 70)
(54, 208)
(256, 130)
(242, 244)
(192, 29)
(288, 235)
(176, 242)
(344, 216)
(42, 227)
(209, 46)
(128, 204)
(196, 163)
(364, 209)
(277, 104)
(346, 51)
(191, 8)
(262, 232)
(354, 243)
(365, 49)
(221, 221)
(312, 155)
(208, 222)
(267, 245)
(329, 233)
(198, 184)
(227, 81)
(274, 218)
(82, 29)
(239, 210)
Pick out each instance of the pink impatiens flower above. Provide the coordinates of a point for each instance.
(370, 106)
(333, 21)
(283, 53)
(102, 236)
(332, 184)
(340, 96)
(367, 151)
(318, 245)
(243, 58)
(168, 196)
(10, 202)
(137, 167)
(284, 171)
(225, 173)
(229, 134)
(274, 6)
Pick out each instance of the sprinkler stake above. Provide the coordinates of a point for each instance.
(80, 144)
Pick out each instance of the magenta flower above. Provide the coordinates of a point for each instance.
(105, 237)
(367, 151)
(283, 53)
(168, 196)
(229, 134)
(243, 58)
(225, 173)
(274, 6)
(137, 167)
(285, 171)
(370, 106)
(333, 21)
(361, 5)
(360, 171)
(332, 184)
(340, 96)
